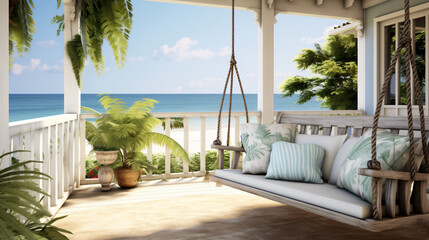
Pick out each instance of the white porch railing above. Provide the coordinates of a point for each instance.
(203, 132)
(54, 141)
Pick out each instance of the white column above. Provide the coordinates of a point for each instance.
(266, 62)
(71, 89)
(361, 71)
(4, 78)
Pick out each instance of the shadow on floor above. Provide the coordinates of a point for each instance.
(282, 222)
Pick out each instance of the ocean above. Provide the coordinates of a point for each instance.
(28, 106)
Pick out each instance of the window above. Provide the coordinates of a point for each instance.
(389, 29)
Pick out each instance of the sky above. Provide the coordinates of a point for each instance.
(173, 48)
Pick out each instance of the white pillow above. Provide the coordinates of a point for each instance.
(257, 140)
(331, 145)
(342, 154)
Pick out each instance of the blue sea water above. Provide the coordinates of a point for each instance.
(28, 106)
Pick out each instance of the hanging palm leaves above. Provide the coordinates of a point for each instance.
(21, 27)
(101, 20)
(77, 56)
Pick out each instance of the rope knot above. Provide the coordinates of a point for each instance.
(233, 61)
(404, 40)
(374, 164)
(217, 142)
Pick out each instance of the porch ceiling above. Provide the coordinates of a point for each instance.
(342, 9)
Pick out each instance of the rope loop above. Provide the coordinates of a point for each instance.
(230, 79)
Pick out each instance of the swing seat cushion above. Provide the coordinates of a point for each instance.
(393, 153)
(257, 140)
(322, 195)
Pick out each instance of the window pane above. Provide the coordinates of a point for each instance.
(390, 47)
(402, 73)
(420, 45)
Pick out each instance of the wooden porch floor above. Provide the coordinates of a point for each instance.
(200, 210)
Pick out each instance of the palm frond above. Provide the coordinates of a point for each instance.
(58, 19)
(165, 141)
(21, 213)
(77, 57)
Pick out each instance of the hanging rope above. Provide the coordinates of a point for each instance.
(405, 42)
(230, 79)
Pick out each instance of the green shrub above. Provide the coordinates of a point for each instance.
(158, 162)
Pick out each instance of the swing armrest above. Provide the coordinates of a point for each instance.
(237, 152)
(398, 188)
(389, 174)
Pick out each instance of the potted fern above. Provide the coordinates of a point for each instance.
(133, 128)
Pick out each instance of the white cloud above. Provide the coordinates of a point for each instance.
(35, 64)
(17, 69)
(251, 75)
(44, 67)
(46, 43)
(224, 51)
(182, 50)
(137, 59)
(320, 39)
(208, 81)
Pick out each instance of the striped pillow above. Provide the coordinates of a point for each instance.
(296, 162)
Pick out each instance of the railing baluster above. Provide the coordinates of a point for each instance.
(237, 131)
(60, 160)
(186, 142)
(82, 168)
(66, 156)
(203, 145)
(46, 156)
(167, 150)
(54, 164)
(76, 152)
(149, 157)
(72, 160)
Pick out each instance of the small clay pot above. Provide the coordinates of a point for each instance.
(127, 177)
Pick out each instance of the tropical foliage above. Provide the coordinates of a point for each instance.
(22, 216)
(77, 56)
(21, 27)
(101, 20)
(335, 67)
(158, 163)
(58, 19)
(133, 129)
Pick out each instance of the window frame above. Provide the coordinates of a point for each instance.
(380, 23)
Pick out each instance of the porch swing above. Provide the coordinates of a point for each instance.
(405, 191)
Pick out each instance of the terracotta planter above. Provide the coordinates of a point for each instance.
(106, 157)
(126, 177)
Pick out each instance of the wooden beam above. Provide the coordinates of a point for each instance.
(319, 2)
(329, 9)
(371, 3)
(348, 3)
(239, 4)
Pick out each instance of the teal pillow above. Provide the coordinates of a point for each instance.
(392, 152)
(296, 162)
